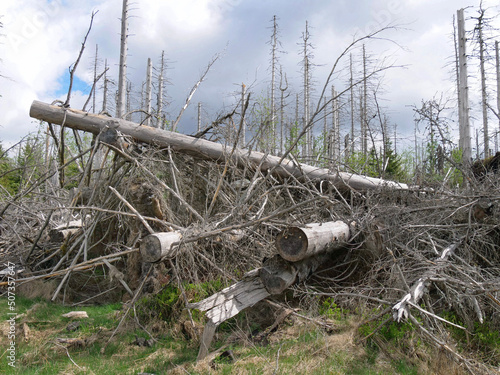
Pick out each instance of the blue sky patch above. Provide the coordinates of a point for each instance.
(78, 85)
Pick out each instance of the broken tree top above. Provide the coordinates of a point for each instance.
(202, 148)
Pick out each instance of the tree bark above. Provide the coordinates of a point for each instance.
(205, 149)
(296, 243)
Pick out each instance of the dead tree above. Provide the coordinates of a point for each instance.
(159, 98)
(149, 89)
(484, 99)
(274, 59)
(306, 46)
(463, 92)
(204, 149)
(122, 75)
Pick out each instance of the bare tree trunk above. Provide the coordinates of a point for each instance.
(274, 45)
(484, 99)
(95, 79)
(122, 76)
(105, 89)
(351, 85)
(204, 149)
(308, 145)
(296, 243)
(243, 124)
(326, 137)
(335, 143)
(128, 98)
(199, 117)
(477, 145)
(159, 245)
(465, 136)
(282, 111)
(149, 88)
(297, 121)
(159, 99)
(364, 109)
(497, 58)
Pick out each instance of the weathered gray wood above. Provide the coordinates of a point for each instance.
(202, 148)
(401, 310)
(227, 303)
(274, 277)
(233, 299)
(206, 339)
(159, 245)
(296, 243)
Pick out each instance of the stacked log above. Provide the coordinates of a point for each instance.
(301, 252)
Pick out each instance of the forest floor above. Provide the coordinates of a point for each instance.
(329, 343)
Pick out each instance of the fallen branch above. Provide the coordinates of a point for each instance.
(401, 310)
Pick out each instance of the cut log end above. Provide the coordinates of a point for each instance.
(159, 245)
(292, 242)
(277, 274)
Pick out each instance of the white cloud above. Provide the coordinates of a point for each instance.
(40, 43)
(43, 38)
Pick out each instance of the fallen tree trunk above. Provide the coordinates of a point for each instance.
(296, 243)
(202, 148)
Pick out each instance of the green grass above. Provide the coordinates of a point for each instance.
(297, 347)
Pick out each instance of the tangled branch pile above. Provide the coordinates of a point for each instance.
(428, 256)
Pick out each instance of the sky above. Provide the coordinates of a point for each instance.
(42, 38)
